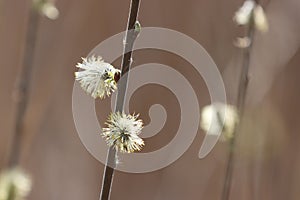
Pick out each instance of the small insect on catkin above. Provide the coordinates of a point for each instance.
(97, 77)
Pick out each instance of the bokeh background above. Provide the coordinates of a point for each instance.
(268, 148)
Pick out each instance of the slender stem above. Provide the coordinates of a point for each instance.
(243, 85)
(22, 90)
(11, 192)
(130, 37)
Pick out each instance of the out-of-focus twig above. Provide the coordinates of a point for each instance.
(242, 90)
(133, 29)
(22, 90)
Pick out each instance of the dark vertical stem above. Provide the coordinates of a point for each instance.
(242, 90)
(130, 37)
(22, 90)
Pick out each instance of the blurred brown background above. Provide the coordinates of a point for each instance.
(268, 158)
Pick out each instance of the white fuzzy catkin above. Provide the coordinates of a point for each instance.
(219, 119)
(260, 19)
(243, 15)
(122, 132)
(96, 77)
(14, 183)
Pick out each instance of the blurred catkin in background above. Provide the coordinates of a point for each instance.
(267, 164)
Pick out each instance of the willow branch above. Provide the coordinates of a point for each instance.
(22, 91)
(242, 91)
(130, 37)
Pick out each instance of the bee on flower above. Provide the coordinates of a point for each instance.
(97, 77)
(122, 132)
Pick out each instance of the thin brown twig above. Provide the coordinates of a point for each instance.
(130, 37)
(22, 91)
(242, 90)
